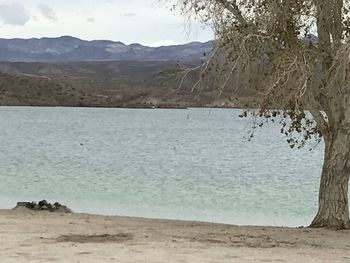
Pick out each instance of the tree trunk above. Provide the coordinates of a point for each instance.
(333, 210)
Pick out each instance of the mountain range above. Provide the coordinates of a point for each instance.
(69, 49)
(68, 71)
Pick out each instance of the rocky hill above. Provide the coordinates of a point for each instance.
(68, 71)
(107, 84)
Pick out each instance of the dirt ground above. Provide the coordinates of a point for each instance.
(27, 236)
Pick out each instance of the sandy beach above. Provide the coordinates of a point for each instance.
(27, 236)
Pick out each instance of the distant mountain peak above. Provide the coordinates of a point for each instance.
(68, 48)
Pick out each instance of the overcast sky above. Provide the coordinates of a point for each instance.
(129, 21)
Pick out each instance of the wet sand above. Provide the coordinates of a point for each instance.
(27, 236)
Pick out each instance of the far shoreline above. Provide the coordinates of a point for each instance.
(127, 107)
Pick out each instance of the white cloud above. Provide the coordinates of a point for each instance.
(14, 14)
(47, 12)
(129, 14)
(90, 19)
(105, 19)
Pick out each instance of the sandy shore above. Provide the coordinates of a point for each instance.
(27, 236)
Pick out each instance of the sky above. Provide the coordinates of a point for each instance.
(147, 22)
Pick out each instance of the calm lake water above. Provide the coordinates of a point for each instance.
(179, 164)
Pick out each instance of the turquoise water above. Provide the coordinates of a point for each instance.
(179, 164)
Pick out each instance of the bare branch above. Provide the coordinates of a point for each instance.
(234, 10)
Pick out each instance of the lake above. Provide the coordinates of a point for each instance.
(189, 164)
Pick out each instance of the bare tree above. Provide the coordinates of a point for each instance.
(296, 56)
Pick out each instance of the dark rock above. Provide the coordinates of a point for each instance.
(24, 204)
(44, 206)
(43, 203)
(63, 209)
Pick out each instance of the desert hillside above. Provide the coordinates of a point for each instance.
(68, 71)
(108, 84)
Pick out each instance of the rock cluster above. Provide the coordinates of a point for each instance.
(44, 206)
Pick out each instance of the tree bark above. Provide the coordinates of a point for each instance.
(333, 211)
